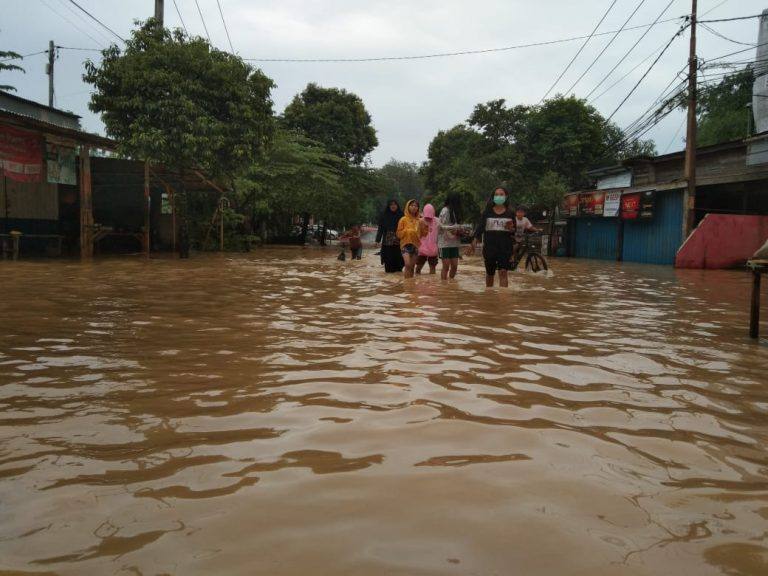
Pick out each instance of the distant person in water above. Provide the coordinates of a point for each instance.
(410, 230)
(428, 246)
(449, 237)
(352, 237)
(386, 236)
(496, 229)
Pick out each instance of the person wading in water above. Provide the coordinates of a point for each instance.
(449, 237)
(496, 229)
(391, 256)
(410, 230)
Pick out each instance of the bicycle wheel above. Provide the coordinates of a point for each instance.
(536, 263)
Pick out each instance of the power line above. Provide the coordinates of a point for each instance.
(83, 49)
(580, 50)
(92, 17)
(86, 22)
(462, 52)
(715, 8)
(22, 56)
(231, 49)
(730, 19)
(64, 16)
(180, 18)
(610, 42)
(632, 49)
(679, 32)
(676, 135)
(724, 37)
(203, 19)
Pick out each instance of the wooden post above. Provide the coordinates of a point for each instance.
(86, 204)
(689, 198)
(145, 240)
(620, 240)
(754, 316)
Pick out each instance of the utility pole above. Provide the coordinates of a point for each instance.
(689, 200)
(159, 11)
(49, 71)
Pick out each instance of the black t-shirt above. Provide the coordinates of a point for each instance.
(492, 230)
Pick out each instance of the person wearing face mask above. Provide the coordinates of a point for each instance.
(496, 230)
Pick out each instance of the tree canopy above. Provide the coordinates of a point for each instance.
(336, 118)
(533, 149)
(722, 108)
(5, 66)
(178, 100)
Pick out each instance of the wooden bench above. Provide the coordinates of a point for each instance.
(758, 268)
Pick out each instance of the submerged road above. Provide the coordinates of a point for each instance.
(284, 413)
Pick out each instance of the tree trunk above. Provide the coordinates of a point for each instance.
(323, 234)
(551, 230)
(182, 218)
(304, 227)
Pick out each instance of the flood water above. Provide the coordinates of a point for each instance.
(284, 413)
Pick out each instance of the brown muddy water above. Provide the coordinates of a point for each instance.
(285, 413)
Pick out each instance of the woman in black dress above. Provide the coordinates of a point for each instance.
(391, 256)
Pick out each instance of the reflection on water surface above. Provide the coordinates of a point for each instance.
(286, 413)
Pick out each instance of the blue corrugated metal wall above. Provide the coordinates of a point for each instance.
(656, 241)
(594, 238)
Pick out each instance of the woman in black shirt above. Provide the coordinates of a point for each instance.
(496, 229)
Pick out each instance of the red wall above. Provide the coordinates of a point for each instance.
(723, 241)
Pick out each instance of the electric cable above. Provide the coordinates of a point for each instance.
(92, 17)
(178, 12)
(203, 20)
(223, 21)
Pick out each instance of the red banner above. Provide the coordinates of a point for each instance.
(591, 203)
(21, 154)
(571, 205)
(630, 206)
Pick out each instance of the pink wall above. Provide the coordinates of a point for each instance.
(723, 241)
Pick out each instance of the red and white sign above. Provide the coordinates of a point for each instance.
(21, 154)
(572, 205)
(591, 203)
(612, 204)
(630, 206)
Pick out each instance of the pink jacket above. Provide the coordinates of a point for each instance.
(428, 246)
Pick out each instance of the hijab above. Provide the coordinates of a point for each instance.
(390, 219)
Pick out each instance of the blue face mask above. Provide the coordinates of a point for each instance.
(499, 200)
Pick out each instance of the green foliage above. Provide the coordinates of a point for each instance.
(177, 100)
(6, 67)
(722, 108)
(538, 151)
(336, 118)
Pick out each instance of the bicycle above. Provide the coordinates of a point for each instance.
(530, 247)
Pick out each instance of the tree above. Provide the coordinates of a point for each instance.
(336, 118)
(5, 56)
(176, 100)
(295, 174)
(722, 108)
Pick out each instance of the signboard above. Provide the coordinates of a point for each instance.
(630, 206)
(612, 204)
(647, 204)
(21, 154)
(571, 205)
(60, 164)
(622, 180)
(591, 203)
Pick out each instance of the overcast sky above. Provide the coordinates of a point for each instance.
(409, 100)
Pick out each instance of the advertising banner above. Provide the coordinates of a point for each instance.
(571, 205)
(630, 206)
(612, 204)
(647, 204)
(21, 154)
(591, 203)
(60, 164)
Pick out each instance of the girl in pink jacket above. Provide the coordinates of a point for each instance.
(428, 246)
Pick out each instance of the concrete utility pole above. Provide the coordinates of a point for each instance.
(49, 71)
(689, 201)
(159, 11)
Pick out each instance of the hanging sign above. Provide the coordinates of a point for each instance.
(612, 204)
(571, 205)
(630, 206)
(60, 164)
(591, 203)
(647, 204)
(21, 154)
